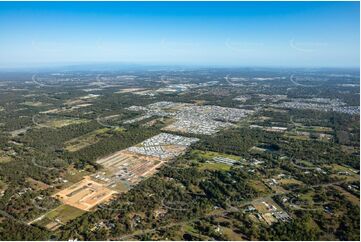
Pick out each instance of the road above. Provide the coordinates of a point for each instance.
(43, 167)
(301, 85)
(228, 81)
(35, 81)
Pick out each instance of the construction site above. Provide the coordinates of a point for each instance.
(85, 194)
(142, 160)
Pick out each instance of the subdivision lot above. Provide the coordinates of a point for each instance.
(135, 163)
(129, 166)
(164, 146)
(85, 194)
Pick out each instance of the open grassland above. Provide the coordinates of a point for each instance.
(294, 135)
(214, 166)
(290, 181)
(86, 140)
(59, 216)
(4, 158)
(209, 155)
(342, 172)
(72, 175)
(352, 198)
(34, 104)
(2, 185)
(37, 185)
(258, 186)
(64, 122)
(314, 129)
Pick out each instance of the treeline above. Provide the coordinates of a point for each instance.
(48, 139)
(115, 142)
(232, 141)
(13, 230)
(192, 192)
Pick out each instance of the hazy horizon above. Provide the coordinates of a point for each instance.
(261, 34)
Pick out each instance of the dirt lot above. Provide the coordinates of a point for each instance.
(37, 185)
(85, 194)
(129, 166)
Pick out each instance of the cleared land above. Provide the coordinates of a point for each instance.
(142, 160)
(4, 158)
(85, 194)
(85, 140)
(129, 166)
(209, 155)
(59, 216)
(63, 122)
(214, 166)
(37, 185)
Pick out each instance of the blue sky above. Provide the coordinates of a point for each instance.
(295, 34)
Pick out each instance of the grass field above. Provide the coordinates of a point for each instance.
(85, 140)
(2, 185)
(293, 135)
(59, 123)
(34, 104)
(305, 163)
(59, 216)
(5, 158)
(259, 186)
(352, 198)
(349, 149)
(37, 185)
(73, 175)
(314, 129)
(214, 166)
(65, 213)
(209, 155)
(290, 181)
(337, 171)
(307, 196)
